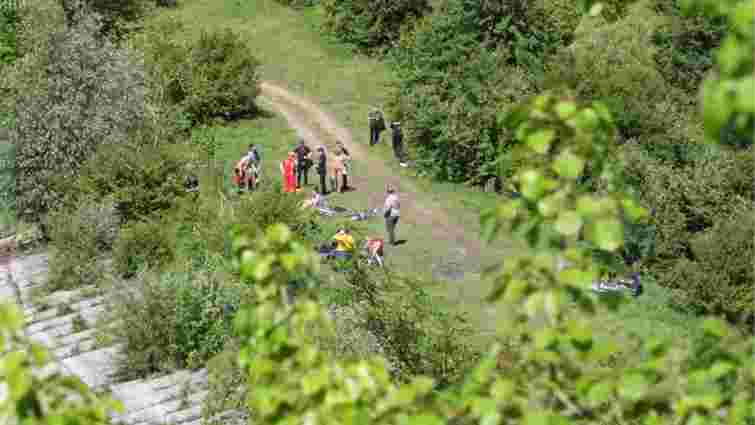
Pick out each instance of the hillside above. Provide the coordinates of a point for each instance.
(204, 306)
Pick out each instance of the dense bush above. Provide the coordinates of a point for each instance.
(144, 180)
(299, 3)
(150, 243)
(81, 238)
(719, 277)
(173, 320)
(213, 74)
(372, 25)
(686, 45)
(268, 206)
(116, 15)
(413, 330)
(8, 18)
(458, 69)
(68, 104)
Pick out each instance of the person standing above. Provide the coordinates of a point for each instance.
(339, 168)
(391, 213)
(254, 166)
(346, 160)
(398, 143)
(322, 168)
(377, 125)
(303, 155)
(287, 169)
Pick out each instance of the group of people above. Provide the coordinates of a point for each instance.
(342, 247)
(335, 170)
(295, 168)
(377, 126)
(246, 174)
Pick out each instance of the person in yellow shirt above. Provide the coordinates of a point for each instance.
(344, 242)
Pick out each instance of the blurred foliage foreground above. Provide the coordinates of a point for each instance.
(559, 373)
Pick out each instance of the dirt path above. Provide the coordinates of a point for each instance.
(317, 126)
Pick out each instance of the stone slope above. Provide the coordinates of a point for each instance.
(64, 321)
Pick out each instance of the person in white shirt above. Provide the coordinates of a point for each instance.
(391, 213)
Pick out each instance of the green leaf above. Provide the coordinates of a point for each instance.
(426, 419)
(596, 9)
(716, 108)
(568, 223)
(541, 140)
(633, 386)
(608, 234)
(720, 369)
(568, 165)
(715, 327)
(745, 93)
(533, 184)
(503, 390)
(600, 393)
(575, 277)
(565, 110)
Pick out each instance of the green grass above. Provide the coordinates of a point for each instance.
(296, 54)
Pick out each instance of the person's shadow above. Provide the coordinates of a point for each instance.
(400, 242)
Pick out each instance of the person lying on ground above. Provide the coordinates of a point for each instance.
(631, 285)
(315, 201)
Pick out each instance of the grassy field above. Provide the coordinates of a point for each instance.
(297, 56)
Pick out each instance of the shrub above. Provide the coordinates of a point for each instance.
(227, 385)
(299, 3)
(144, 180)
(372, 25)
(204, 307)
(719, 279)
(145, 308)
(686, 46)
(268, 206)
(211, 75)
(150, 243)
(81, 238)
(116, 15)
(173, 320)
(463, 65)
(67, 105)
(413, 330)
(8, 18)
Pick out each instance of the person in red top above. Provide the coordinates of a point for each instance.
(288, 168)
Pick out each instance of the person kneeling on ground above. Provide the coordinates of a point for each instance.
(374, 251)
(344, 242)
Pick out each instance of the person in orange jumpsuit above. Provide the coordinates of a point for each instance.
(288, 168)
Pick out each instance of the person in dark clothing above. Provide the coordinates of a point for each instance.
(398, 143)
(254, 165)
(377, 125)
(303, 154)
(322, 168)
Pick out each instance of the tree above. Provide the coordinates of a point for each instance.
(76, 94)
